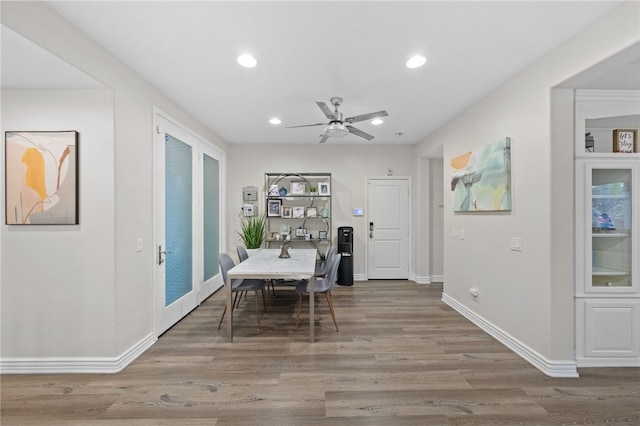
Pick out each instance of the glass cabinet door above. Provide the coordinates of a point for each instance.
(612, 215)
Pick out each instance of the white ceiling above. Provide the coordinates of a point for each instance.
(310, 51)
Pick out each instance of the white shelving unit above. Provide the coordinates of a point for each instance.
(290, 202)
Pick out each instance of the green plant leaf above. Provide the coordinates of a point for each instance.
(252, 231)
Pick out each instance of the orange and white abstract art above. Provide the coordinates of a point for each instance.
(481, 179)
(41, 178)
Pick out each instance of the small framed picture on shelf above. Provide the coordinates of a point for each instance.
(301, 232)
(273, 191)
(286, 212)
(312, 212)
(274, 207)
(323, 188)
(275, 236)
(297, 188)
(322, 235)
(625, 140)
(298, 212)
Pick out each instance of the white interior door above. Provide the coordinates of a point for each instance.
(388, 207)
(175, 177)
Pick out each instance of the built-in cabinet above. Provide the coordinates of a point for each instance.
(298, 207)
(607, 237)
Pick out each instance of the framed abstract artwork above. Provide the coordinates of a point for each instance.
(481, 179)
(41, 178)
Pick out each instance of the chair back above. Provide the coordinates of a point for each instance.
(327, 261)
(226, 263)
(242, 253)
(326, 283)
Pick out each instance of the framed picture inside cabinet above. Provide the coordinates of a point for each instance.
(301, 232)
(297, 187)
(323, 188)
(322, 235)
(286, 212)
(274, 207)
(625, 140)
(312, 212)
(298, 212)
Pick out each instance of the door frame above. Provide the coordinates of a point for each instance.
(410, 216)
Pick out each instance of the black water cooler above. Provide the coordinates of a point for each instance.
(345, 248)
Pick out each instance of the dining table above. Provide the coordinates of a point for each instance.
(266, 264)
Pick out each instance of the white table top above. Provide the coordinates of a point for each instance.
(265, 264)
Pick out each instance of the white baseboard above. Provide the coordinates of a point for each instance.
(359, 277)
(552, 368)
(104, 365)
(608, 362)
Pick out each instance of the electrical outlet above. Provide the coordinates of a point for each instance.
(516, 243)
(139, 245)
(461, 233)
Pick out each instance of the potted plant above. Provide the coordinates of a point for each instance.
(252, 231)
(313, 190)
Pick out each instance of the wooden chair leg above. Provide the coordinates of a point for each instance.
(233, 305)
(327, 294)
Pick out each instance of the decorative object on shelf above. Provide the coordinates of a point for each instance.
(286, 212)
(273, 191)
(322, 235)
(301, 232)
(625, 140)
(324, 212)
(297, 188)
(313, 190)
(282, 191)
(273, 207)
(589, 142)
(275, 236)
(481, 179)
(308, 236)
(324, 188)
(252, 231)
(298, 212)
(312, 212)
(285, 231)
(41, 178)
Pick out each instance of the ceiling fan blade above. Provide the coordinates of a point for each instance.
(360, 133)
(327, 111)
(306, 125)
(324, 139)
(365, 117)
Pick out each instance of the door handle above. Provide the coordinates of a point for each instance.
(370, 229)
(160, 253)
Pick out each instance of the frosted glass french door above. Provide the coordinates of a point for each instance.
(175, 248)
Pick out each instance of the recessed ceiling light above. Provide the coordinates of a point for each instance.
(376, 121)
(416, 61)
(247, 61)
(275, 121)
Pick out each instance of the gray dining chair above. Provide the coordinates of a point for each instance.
(240, 285)
(243, 255)
(323, 269)
(322, 285)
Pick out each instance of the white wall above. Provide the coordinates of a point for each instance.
(349, 165)
(56, 278)
(130, 274)
(519, 290)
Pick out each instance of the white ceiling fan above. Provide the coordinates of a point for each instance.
(338, 126)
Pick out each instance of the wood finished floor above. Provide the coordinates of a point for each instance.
(402, 357)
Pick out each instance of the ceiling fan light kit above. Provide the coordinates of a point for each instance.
(338, 126)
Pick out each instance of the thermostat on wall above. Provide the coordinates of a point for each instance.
(358, 212)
